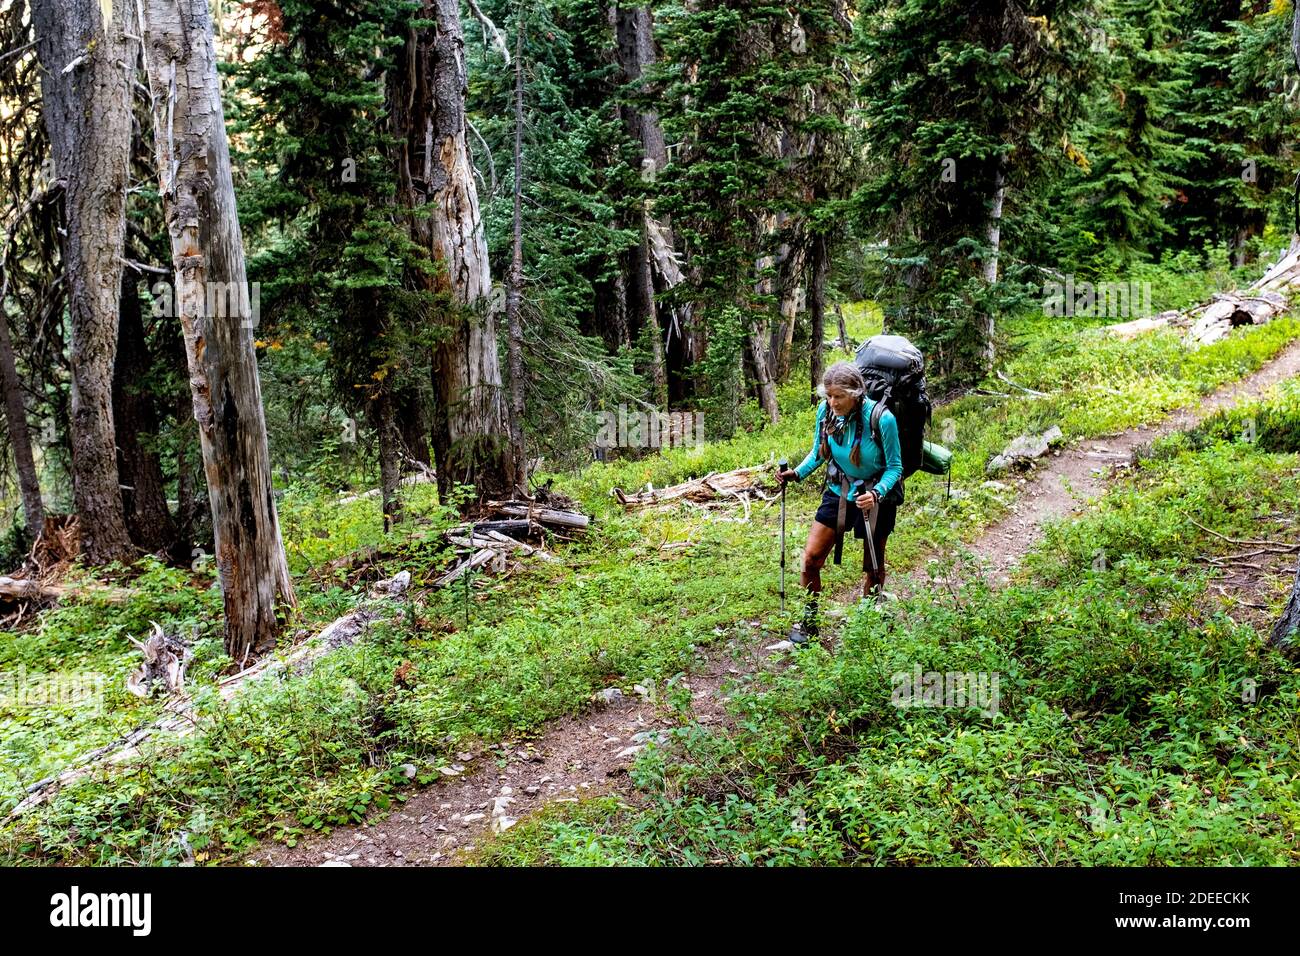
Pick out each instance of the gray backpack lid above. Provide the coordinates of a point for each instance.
(892, 352)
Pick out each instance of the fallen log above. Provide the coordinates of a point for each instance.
(527, 549)
(178, 714)
(1130, 330)
(495, 556)
(743, 482)
(19, 589)
(1281, 274)
(27, 589)
(1261, 302)
(1227, 311)
(514, 526)
(420, 478)
(551, 517)
(478, 538)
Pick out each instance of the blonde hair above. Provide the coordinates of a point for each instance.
(846, 377)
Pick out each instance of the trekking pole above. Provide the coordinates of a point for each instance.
(782, 465)
(871, 542)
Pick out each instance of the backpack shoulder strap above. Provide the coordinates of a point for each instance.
(876, 414)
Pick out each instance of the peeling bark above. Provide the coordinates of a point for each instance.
(994, 239)
(470, 435)
(791, 260)
(652, 267)
(214, 304)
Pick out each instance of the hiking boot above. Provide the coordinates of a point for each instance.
(799, 637)
(809, 629)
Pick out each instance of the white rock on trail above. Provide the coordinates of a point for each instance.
(1024, 448)
(656, 736)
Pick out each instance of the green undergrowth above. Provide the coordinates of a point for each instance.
(1139, 720)
(639, 598)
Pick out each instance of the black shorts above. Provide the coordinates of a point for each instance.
(856, 518)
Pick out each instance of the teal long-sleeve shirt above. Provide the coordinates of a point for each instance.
(885, 469)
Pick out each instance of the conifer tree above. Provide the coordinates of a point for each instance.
(964, 109)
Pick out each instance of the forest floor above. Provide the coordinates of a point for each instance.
(578, 757)
(451, 695)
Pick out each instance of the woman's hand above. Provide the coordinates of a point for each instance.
(788, 475)
(868, 500)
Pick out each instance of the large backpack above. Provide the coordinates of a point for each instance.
(894, 370)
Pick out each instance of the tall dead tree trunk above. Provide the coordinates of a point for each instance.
(994, 239)
(652, 266)
(643, 277)
(762, 359)
(87, 68)
(214, 304)
(515, 294)
(763, 370)
(817, 256)
(790, 258)
(471, 435)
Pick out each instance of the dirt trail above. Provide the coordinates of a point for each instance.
(580, 756)
(1073, 476)
(575, 757)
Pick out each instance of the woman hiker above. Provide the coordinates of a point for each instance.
(842, 436)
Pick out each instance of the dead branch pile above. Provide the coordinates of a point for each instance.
(509, 529)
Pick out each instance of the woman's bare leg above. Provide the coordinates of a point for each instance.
(820, 541)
